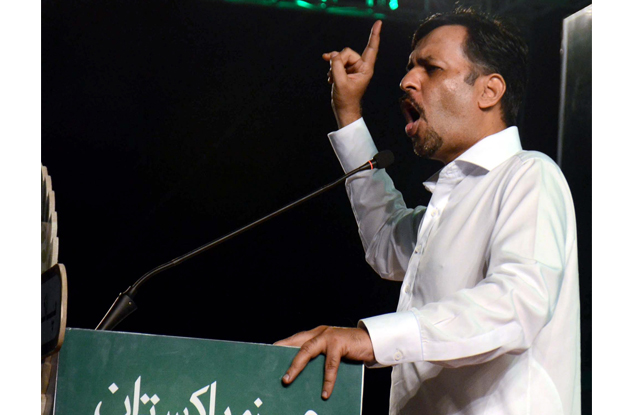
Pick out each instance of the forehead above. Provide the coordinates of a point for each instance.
(443, 43)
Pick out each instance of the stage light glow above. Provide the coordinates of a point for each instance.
(370, 9)
(304, 4)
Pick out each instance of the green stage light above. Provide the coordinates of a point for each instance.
(304, 4)
(393, 4)
(367, 9)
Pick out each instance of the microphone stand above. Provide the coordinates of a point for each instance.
(124, 305)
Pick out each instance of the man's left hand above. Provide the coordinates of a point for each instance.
(335, 343)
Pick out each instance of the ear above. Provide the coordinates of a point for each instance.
(493, 88)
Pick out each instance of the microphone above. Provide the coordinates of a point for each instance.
(382, 160)
(124, 305)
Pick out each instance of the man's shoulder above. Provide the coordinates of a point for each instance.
(532, 168)
(533, 160)
(526, 167)
(535, 156)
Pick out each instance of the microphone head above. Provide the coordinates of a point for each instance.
(383, 159)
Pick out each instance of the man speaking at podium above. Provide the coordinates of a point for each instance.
(488, 315)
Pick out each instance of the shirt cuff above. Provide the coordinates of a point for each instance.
(353, 145)
(396, 337)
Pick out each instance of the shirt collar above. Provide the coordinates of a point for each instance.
(487, 153)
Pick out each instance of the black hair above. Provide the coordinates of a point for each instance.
(492, 46)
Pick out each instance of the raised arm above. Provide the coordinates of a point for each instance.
(387, 228)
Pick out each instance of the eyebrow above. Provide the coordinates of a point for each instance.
(428, 60)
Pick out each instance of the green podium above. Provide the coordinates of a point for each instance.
(115, 373)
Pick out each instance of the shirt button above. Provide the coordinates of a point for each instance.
(397, 356)
(418, 249)
(406, 289)
(434, 212)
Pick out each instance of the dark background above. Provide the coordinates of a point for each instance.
(166, 124)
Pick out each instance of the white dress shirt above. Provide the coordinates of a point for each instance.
(488, 316)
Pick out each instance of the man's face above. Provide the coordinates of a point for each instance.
(440, 106)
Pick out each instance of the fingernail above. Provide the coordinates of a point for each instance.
(286, 378)
(334, 54)
(324, 395)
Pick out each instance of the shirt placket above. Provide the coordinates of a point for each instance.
(447, 181)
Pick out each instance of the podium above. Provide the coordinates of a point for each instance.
(116, 373)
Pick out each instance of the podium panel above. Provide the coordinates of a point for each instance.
(115, 373)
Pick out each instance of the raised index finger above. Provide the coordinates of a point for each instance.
(371, 51)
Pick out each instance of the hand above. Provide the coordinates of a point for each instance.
(335, 343)
(349, 75)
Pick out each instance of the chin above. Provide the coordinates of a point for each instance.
(428, 146)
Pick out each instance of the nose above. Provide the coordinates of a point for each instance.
(410, 81)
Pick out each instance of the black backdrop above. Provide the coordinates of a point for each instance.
(166, 124)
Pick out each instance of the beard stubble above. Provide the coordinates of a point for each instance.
(427, 146)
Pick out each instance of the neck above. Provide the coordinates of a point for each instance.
(491, 126)
(482, 130)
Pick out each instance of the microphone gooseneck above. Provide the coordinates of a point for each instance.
(125, 304)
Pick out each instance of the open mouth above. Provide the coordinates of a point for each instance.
(412, 112)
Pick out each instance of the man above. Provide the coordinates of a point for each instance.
(488, 316)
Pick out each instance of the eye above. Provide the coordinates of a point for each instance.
(430, 69)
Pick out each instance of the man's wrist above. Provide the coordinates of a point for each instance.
(346, 116)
